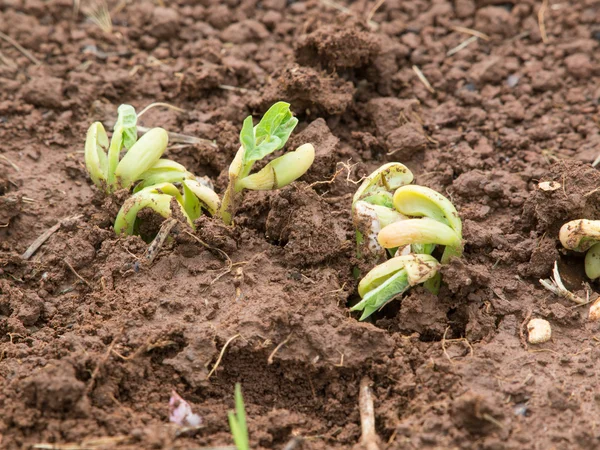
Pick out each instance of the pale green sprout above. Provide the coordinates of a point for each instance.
(373, 207)
(439, 223)
(270, 135)
(141, 161)
(161, 197)
(583, 235)
(393, 278)
(237, 421)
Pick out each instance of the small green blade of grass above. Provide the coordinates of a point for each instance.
(237, 421)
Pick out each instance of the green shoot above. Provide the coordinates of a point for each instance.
(409, 222)
(583, 235)
(142, 160)
(237, 421)
(391, 279)
(257, 142)
(160, 198)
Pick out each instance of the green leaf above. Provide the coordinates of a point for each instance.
(237, 421)
(247, 136)
(240, 410)
(383, 294)
(127, 122)
(271, 133)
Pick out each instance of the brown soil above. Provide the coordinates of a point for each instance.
(92, 342)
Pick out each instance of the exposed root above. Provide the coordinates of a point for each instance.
(101, 363)
(13, 165)
(230, 263)
(472, 32)
(221, 356)
(556, 286)
(72, 269)
(281, 344)
(374, 9)
(423, 80)
(368, 438)
(461, 340)
(154, 105)
(522, 328)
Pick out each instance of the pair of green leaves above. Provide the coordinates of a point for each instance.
(270, 135)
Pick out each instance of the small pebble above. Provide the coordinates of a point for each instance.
(512, 80)
(539, 331)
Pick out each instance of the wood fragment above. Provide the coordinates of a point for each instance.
(20, 48)
(44, 237)
(368, 438)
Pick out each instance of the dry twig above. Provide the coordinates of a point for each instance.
(44, 237)
(541, 22)
(368, 436)
(19, 47)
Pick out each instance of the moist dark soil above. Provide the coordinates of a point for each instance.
(93, 341)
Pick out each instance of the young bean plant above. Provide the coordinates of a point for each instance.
(583, 235)
(257, 142)
(193, 198)
(373, 208)
(393, 278)
(407, 223)
(142, 160)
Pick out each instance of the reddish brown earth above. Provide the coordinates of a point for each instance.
(98, 359)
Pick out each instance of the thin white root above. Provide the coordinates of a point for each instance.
(556, 286)
(368, 438)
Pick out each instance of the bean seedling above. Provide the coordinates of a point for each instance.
(583, 235)
(373, 207)
(161, 198)
(408, 221)
(270, 135)
(142, 160)
(392, 278)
